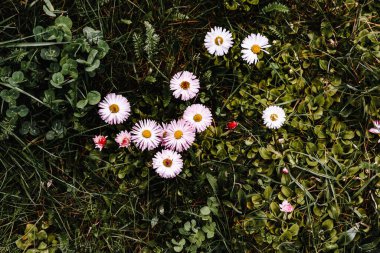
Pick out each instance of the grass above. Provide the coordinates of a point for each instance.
(113, 202)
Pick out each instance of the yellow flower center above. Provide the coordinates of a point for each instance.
(255, 49)
(185, 85)
(273, 117)
(167, 162)
(114, 108)
(218, 41)
(178, 134)
(146, 134)
(197, 117)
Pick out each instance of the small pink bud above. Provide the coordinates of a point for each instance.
(123, 139)
(100, 141)
(286, 207)
(285, 171)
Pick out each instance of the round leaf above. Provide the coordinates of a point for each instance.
(205, 210)
(18, 76)
(22, 111)
(93, 97)
(82, 103)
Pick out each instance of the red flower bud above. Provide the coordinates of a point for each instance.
(232, 125)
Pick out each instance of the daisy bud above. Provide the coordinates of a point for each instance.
(232, 125)
(100, 141)
(285, 171)
(286, 207)
(123, 139)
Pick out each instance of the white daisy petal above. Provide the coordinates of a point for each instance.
(274, 117)
(376, 123)
(218, 41)
(114, 109)
(252, 45)
(146, 134)
(180, 135)
(185, 85)
(167, 163)
(199, 116)
(374, 130)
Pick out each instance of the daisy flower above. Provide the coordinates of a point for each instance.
(199, 116)
(123, 139)
(252, 46)
(376, 129)
(286, 207)
(146, 134)
(185, 85)
(100, 141)
(114, 109)
(218, 41)
(274, 117)
(167, 163)
(180, 135)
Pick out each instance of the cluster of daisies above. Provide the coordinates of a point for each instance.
(219, 40)
(175, 137)
(178, 135)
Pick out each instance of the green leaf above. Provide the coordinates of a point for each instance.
(91, 56)
(37, 32)
(93, 66)
(42, 245)
(328, 224)
(264, 153)
(23, 245)
(17, 77)
(286, 236)
(212, 181)
(93, 97)
(294, 229)
(64, 21)
(57, 79)
(337, 149)
(12, 112)
(346, 237)
(49, 5)
(268, 192)
(82, 103)
(47, 11)
(178, 248)
(22, 110)
(205, 210)
(286, 191)
(50, 135)
(51, 53)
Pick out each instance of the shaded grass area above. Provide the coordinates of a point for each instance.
(113, 202)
